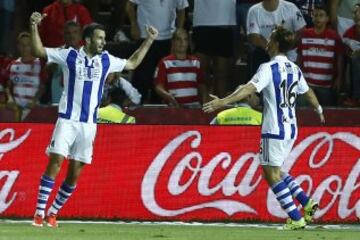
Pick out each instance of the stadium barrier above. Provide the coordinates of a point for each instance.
(155, 115)
(202, 173)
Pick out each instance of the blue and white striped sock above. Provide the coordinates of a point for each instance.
(286, 201)
(296, 190)
(45, 188)
(62, 196)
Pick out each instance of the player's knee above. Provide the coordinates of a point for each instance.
(271, 175)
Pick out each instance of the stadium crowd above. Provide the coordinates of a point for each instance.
(217, 46)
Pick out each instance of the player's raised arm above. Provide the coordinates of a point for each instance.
(311, 98)
(37, 46)
(136, 58)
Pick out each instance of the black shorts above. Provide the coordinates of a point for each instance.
(214, 40)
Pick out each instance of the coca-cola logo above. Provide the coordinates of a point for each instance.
(12, 142)
(202, 171)
(9, 175)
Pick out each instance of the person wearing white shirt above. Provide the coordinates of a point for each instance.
(279, 81)
(84, 72)
(262, 19)
(341, 14)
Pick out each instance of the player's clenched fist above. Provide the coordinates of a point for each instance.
(152, 32)
(36, 18)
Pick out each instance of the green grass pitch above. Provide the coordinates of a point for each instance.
(138, 231)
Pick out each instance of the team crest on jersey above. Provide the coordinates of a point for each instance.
(97, 64)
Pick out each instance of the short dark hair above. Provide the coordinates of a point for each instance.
(117, 96)
(23, 35)
(90, 29)
(323, 7)
(71, 23)
(285, 39)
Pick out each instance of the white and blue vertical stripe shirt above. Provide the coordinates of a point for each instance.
(279, 81)
(84, 79)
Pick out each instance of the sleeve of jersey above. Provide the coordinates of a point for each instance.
(200, 75)
(252, 25)
(116, 64)
(298, 19)
(262, 78)
(160, 74)
(57, 55)
(303, 86)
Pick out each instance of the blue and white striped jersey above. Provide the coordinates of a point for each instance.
(84, 79)
(280, 81)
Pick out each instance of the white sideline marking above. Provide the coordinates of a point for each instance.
(244, 225)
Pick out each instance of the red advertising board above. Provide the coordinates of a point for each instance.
(205, 173)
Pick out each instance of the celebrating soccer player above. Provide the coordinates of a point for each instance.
(84, 71)
(279, 81)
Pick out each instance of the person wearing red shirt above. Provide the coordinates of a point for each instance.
(321, 57)
(26, 78)
(57, 14)
(4, 62)
(178, 77)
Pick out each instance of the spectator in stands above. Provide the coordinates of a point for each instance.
(26, 77)
(242, 9)
(341, 14)
(114, 80)
(57, 14)
(113, 113)
(320, 56)
(306, 7)
(178, 77)
(72, 38)
(72, 35)
(262, 19)
(7, 9)
(352, 41)
(161, 14)
(213, 33)
(243, 114)
(4, 62)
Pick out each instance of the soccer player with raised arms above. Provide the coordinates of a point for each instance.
(84, 71)
(279, 81)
